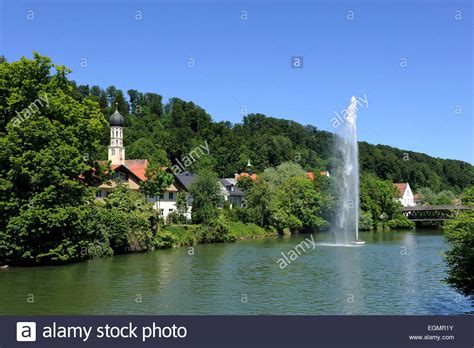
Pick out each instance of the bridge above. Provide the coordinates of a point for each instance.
(428, 213)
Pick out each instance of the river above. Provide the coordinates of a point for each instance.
(394, 273)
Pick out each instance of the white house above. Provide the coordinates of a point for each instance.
(231, 192)
(404, 194)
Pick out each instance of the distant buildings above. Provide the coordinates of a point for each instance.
(404, 194)
(310, 175)
(132, 172)
(247, 173)
(231, 192)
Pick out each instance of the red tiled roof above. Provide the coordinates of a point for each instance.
(401, 187)
(244, 174)
(310, 175)
(137, 167)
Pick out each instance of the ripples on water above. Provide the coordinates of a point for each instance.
(394, 273)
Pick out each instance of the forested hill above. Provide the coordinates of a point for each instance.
(167, 132)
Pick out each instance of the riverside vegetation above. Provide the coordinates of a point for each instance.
(49, 168)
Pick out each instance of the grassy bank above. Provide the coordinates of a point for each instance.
(184, 235)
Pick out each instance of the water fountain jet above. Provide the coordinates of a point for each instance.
(347, 215)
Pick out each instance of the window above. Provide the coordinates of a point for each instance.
(171, 210)
(161, 196)
(162, 211)
(113, 152)
(170, 195)
(119, 176)
(98, 194)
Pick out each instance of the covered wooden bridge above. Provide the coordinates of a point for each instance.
(430, 213)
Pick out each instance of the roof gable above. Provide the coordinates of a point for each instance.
(401, 187)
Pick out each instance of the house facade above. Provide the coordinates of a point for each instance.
(231, 192)
(404, 194)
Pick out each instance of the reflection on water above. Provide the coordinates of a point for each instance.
(394, 273)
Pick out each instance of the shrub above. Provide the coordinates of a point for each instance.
(216, 232)
(126, 220)
(460, 258)
(401, 223)
(365, 221)
(165, 239)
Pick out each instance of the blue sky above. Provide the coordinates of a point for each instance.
(424, 105)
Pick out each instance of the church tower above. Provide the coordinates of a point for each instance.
(116, 148)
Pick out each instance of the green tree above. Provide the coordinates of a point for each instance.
(47, 164)
(135, 98)
(460, 257)
(206, 194)
(277, 176)
(158, 180)
(126, 219)
(259, 203)
(144, 148)
(428, 197)
(445, 197)
(467, 196)
(377, 197)
(298, 206)
(118, 102)
(181, 206)
(245, 183)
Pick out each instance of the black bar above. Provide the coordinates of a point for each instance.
(250, 331)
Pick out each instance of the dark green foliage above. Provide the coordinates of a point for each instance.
(158, 180)
(376, 197)
(165, 239)
(429, 197)
(144, 148)
(460, 257)
(206, 195)
(467, 196)
(258, 209)
(215, 232)
(173, 218)
(418, 169)
(401, 223)
(366, 222)
(298, 206)
(126, 220)
(48, 162)
(245, 184)
(181, 207)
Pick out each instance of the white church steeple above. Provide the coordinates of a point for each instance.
(116, 148)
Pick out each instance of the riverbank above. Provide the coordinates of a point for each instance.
(171, 236)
